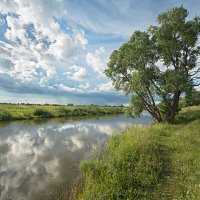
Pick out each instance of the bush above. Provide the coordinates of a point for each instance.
(63, 112)
(192, 98)
(5, 116)
(42, 113)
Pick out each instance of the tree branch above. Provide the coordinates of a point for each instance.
(194, 72)
(172, 58)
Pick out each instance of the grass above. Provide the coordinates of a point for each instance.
(157, 162)
(10, 112)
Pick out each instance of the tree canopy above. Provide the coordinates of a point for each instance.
(158, 65)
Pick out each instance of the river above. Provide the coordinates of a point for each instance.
(40, 159)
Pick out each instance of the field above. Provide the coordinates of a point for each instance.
(157, 162)
(10, 112)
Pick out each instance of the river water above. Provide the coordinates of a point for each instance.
(40, 159)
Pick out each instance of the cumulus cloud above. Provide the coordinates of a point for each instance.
(80, 39)
(39, 13)
(16, 29)
(63, 47)
(96, 61)
(79, 73)
(106, 86)
(37, 44)
(24, 65)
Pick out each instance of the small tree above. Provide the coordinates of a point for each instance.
(159, 64)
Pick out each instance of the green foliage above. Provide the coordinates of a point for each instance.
(42, 113)
(134, 68)
(135, 108)
(5, 116)
(158, 162)
(192, 98)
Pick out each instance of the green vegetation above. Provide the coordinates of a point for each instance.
(191, 98)
(157, 162)
(42, 113)
(10, 112)
(160, 62)
(5, 116)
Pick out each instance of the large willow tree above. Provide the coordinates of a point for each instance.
(158, 65)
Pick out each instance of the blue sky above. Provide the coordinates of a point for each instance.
(55, 51)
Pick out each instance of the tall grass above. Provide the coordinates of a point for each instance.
(158, 162)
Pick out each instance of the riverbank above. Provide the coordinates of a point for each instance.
(157, 162)
(9, 112)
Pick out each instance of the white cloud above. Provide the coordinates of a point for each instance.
(30, 55)
(23, 64)
(5, 65)
(106, 87)
(55, 26)
(96, 61)
(63, 47)
(37, 12)
(35, 53)
(41, 15)
(84, 87)
(79, 74)
(16, 29)
(23, 70)
(65, 88)
(43, 41)
(197, 88)
(80, 39)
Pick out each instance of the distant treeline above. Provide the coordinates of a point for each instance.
(24, 111)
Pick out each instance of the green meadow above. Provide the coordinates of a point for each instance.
(157, 162)
(10, 112)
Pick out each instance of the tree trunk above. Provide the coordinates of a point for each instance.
(170, 116)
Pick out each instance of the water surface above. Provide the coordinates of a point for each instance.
(40, 159)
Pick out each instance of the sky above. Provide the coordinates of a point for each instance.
(55, 51)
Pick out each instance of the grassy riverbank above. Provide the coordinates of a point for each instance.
(10, 112)
(157, 162)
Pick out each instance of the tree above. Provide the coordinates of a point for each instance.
(159, 64)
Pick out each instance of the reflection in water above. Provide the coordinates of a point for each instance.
(37, 160)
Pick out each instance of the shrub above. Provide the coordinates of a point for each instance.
(63, 112)
(5, 116)
(42, 113)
